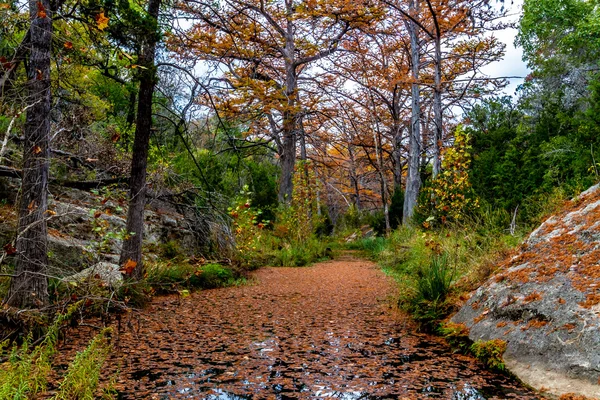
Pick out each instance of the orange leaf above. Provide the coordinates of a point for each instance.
(115, 137)
(101, 21)
(68, 45)
(37, 150)
(41, 10)
(129, 267)
(97, 214)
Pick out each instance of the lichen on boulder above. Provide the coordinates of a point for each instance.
(545, 303)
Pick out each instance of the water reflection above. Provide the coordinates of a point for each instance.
(467, 393)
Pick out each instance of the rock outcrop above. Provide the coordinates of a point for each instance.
(85, 228)
(545, 303)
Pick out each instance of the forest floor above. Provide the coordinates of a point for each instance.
(326, 331)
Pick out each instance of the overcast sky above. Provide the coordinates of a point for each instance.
(512, 64)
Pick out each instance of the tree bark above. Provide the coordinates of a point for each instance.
(413, 180)
(437, 106)
(397, 155)
(290, 119)
(29, 285)
(354, 176)
(382, 181)
(132, 245)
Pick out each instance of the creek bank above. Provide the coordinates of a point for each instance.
(545, 303)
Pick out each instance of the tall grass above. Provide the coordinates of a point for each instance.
(83, 374)
(25, 374)
(432, 286)
(433, 267)
(298, 254)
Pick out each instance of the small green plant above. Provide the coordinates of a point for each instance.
(105, 237)
(450, 196)
(247, 228)
(372, 246)
(490, 353)
(300, 254)
(457, 336)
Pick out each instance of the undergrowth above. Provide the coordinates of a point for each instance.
(435, 267)
(26, 372)
(488, 352)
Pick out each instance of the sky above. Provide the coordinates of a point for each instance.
(512, 64)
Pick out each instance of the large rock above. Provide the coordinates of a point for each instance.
(105, 272)
(545, 303)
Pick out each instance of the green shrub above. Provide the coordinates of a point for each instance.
(213, 276)
(324, 226)
(170, 278)
(372, 246)
(396, 211)
(377, 222)
(490, 353)
(434, 281)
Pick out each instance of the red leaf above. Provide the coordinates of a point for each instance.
(10, 249)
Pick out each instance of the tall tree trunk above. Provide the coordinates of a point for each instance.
(354, 177)
(437, 107)
(382, 182)
(380, 168)
(305, 166)
(29, 285)
(290, 120)
(288, 159)
(132, 245)
(413, 180)
(397, 155)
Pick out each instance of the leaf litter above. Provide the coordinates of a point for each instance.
(326, 331)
